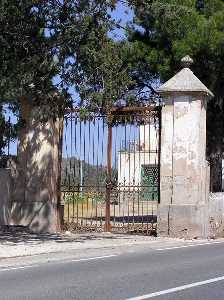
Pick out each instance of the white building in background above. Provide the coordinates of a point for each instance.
(138, 161)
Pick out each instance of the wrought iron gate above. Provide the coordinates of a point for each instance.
(110, 170)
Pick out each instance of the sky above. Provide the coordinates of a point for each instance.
(88, 140)
(123, 14)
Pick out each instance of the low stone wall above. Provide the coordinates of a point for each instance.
(216, 215)
(5, 194)
(183, 221)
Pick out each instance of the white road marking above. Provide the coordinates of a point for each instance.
(58, 262)
(17, 268)
(94, 258)
(177, 289)
(191, 245)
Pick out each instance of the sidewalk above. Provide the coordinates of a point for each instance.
(20, 243)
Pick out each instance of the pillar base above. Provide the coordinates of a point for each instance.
(38, 216)
(183, 221)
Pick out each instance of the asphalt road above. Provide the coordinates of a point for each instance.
(179, 273)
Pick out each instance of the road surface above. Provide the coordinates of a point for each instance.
(165, 273)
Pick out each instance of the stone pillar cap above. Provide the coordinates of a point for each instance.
(185, 81)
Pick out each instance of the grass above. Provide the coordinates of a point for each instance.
(86, 206)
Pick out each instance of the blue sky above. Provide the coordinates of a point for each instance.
(123, 14)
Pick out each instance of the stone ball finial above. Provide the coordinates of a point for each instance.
(186, 61)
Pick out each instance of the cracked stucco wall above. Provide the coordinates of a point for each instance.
(183, 162)
(183, 211)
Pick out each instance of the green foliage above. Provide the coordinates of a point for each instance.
(92, 175)
(106, 76)
(49, 47)
(44, 39)
(76, 198)
(166, 31)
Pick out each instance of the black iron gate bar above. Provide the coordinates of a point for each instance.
(95, 193)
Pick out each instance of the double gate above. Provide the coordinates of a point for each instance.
(111, 170)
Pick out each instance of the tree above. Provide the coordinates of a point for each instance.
(42, 40)
(47, 47)
(4, 138)
(163, 31)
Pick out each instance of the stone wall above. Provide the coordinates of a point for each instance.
(184, 169)
(35, 197)
(185, 219)
(183, 163)
(216, 215)
(5, 194)
(29, 182)
(35, 193)
(223, 175)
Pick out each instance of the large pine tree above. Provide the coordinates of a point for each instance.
(166, 31)
(49, 47)
(163, 31)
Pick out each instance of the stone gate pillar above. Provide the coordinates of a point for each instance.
(184, 169)
(35, 199)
